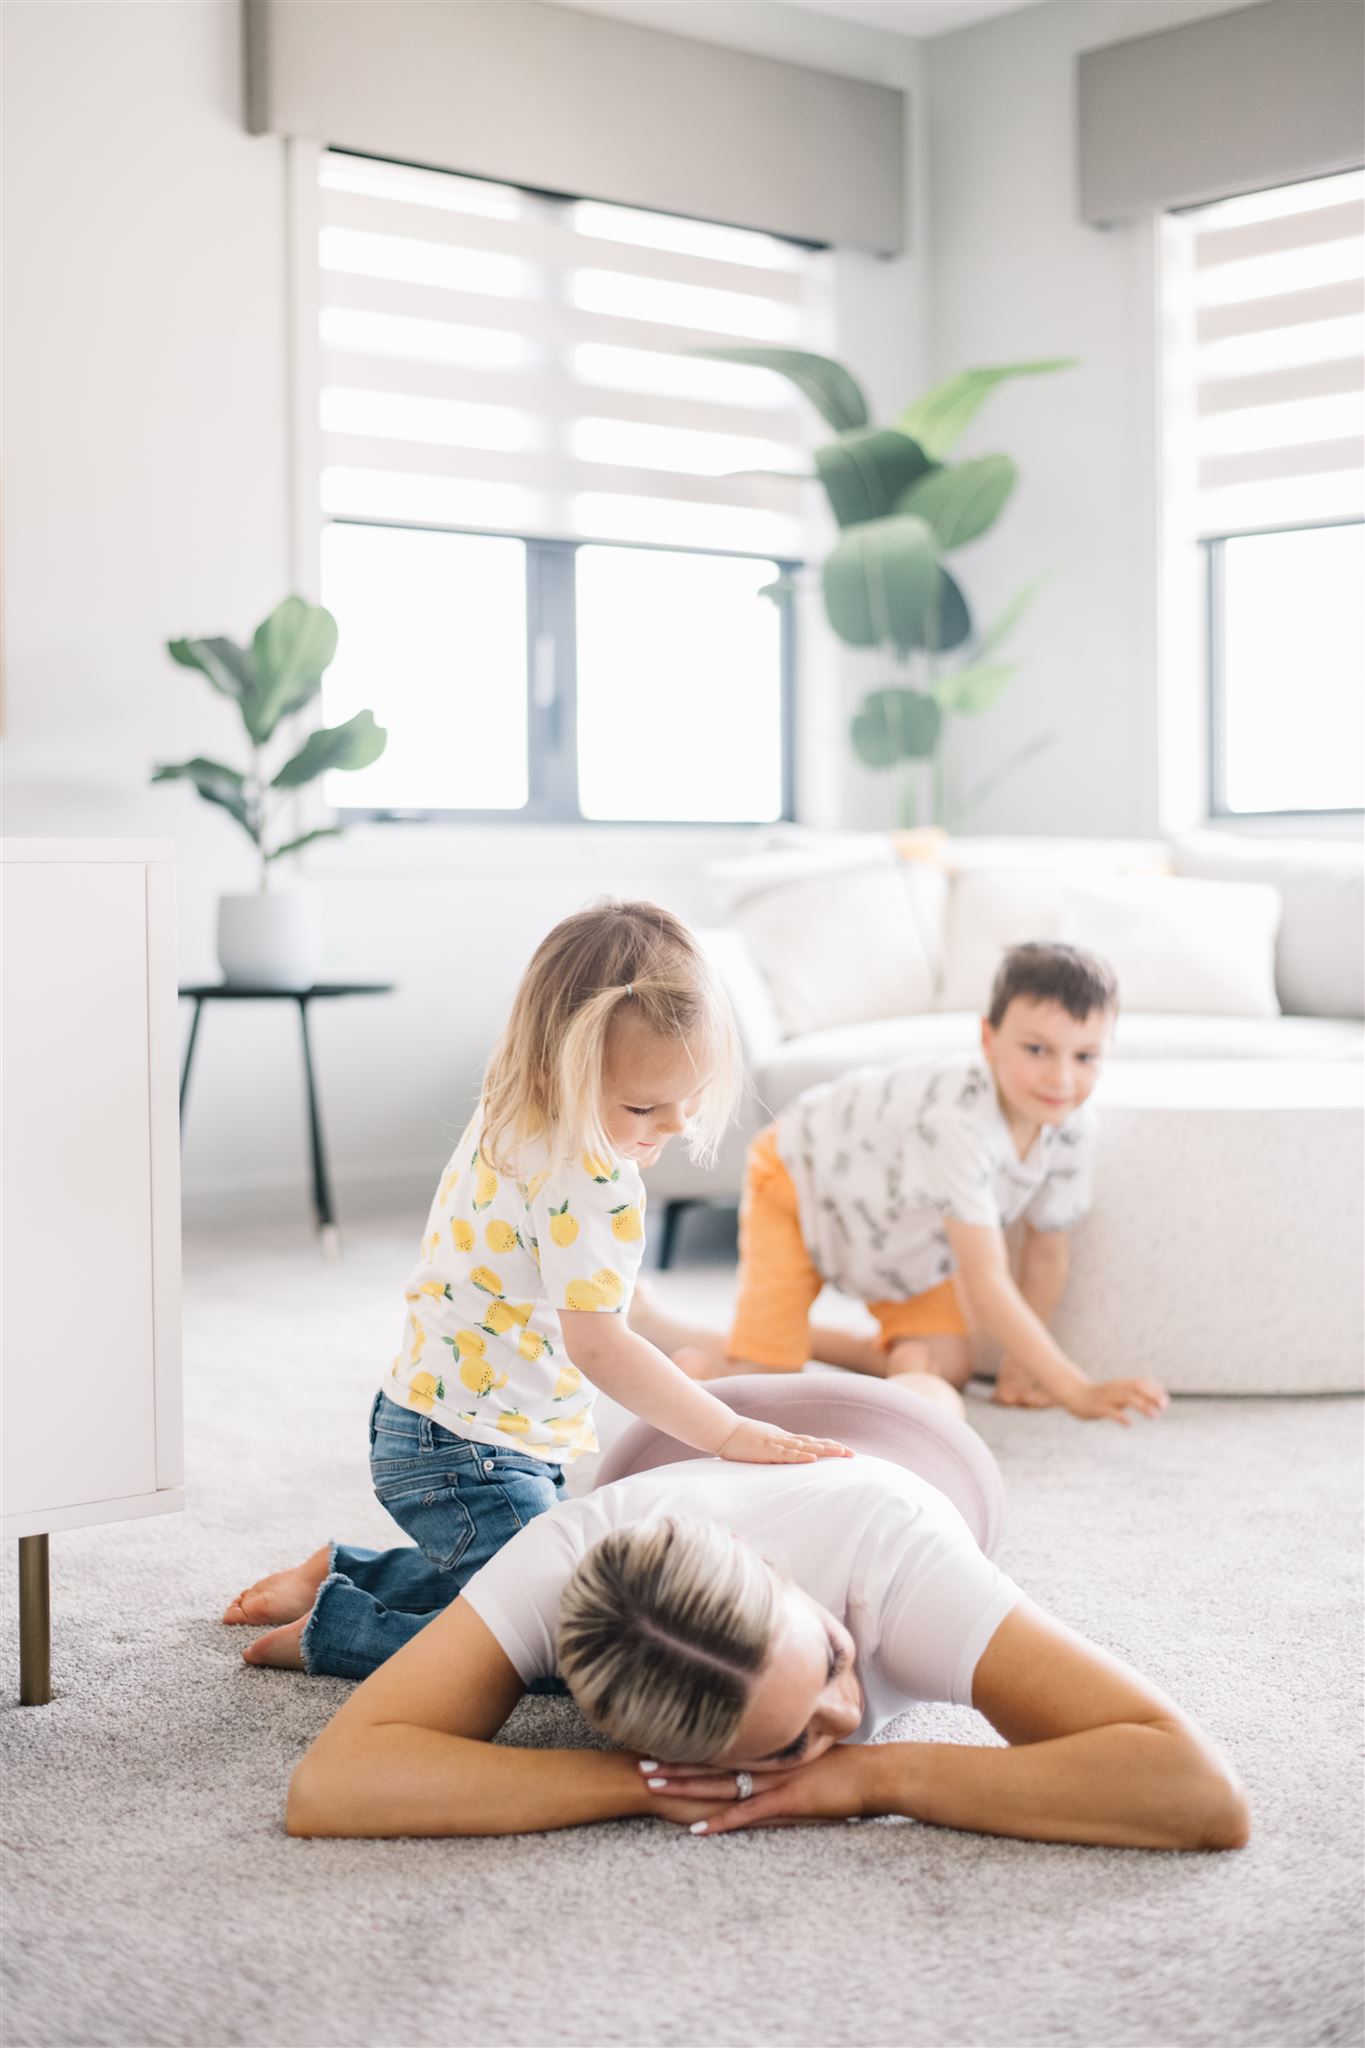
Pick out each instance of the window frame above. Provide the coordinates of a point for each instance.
(551, 731)
(1212, 546)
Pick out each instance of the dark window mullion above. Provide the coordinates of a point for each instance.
(554, 679)
(1218, 710)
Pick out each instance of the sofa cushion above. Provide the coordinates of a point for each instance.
(841, 935)
(1193, 947)
(824, 1054)
(1320, 952)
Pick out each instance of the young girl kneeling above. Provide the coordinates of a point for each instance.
(618, 1040)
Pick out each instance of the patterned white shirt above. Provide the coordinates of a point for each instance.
(482, 1350)
(884, 1157)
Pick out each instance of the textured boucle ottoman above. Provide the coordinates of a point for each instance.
(1223, 1252)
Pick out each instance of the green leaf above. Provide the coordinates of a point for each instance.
(936, 419)
(971, 690)
(353, 745)
(228, 667)
(1010, 617)
(290, 650)
(307, 838)
(951, 623)
(895, 725)
(881, 583)
(215, 782)
(831, 389)
(865, 473)
(960, 503)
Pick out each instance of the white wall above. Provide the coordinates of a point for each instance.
(1016, 276)
(148, 495)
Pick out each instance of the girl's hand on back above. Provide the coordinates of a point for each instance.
(763, 1443)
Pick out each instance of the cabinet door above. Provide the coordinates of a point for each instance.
(79, 1392)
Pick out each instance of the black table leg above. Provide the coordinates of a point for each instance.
(672, 1217)
(322, 1192)
(189, 1056)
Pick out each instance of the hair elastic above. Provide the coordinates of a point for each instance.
(630, 988)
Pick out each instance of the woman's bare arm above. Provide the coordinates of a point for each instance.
(411, 1752)
(1096, 1753)
(1096, 1756)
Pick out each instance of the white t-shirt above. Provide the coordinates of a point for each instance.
(482, 1349)
(881, 1549)
(884, 1155)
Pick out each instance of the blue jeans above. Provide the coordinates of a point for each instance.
(459, 1501)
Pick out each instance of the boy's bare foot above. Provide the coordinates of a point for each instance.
(698, 1353)
(1015, 1389)
(849, 1349)
(283, 1596)
(281, 1648)
(931, 1388)
(696, 1363)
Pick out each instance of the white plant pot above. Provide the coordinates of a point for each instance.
(268, 941)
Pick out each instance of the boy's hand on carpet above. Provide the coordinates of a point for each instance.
(1111, 1399)
(763, 1443)
(706, 1800)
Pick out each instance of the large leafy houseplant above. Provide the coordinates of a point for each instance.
(275, 676)
(901, 506)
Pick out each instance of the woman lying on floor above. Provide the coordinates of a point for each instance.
(743, 1631)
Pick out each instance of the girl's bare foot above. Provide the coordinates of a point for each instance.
(1015, 1389)
(282, 1648)
(283, 1596)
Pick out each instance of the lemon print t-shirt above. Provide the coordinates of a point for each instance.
(482, 1350)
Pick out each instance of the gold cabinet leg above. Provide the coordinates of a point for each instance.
(35, 1623)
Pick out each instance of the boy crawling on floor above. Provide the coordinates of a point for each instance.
(896, 1186)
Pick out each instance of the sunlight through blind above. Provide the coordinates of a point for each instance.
(509, 361)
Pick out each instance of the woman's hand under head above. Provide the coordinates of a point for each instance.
(804, 1702)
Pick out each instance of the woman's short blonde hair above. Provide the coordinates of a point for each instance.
(662, 1630)
(612, 961)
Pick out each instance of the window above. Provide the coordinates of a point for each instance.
(1267, 373)
(546, 522)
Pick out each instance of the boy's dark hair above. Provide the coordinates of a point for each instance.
(1047, 973)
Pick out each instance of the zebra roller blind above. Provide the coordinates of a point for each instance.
(1269, 317)
(512, 362)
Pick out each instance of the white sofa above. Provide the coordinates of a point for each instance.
(856, 949)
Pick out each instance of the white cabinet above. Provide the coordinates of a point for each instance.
(91, 1197)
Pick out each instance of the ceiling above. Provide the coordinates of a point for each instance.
(914, 17)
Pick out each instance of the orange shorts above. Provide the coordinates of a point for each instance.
(778, 1281)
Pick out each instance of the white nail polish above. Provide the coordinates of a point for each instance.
(649, 1767)
(656, 1784)
(698, 1827)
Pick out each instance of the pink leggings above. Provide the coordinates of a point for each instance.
(869, 1416)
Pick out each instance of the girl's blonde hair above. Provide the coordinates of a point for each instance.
(610, 962)
(662, 1630)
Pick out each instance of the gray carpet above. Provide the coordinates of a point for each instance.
(154, 1899)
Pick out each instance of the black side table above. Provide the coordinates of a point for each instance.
(321, 991)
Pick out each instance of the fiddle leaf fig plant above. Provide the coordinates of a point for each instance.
(276, 676)
(901, 505)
